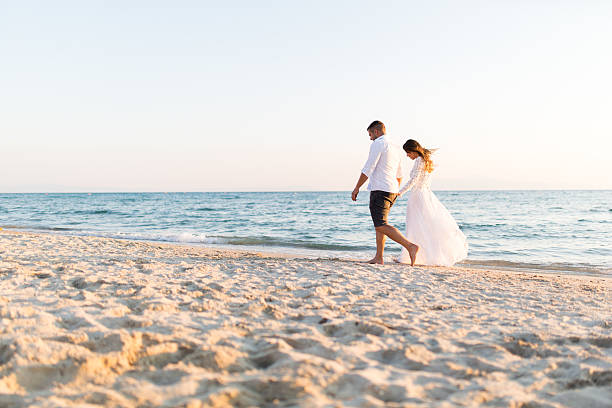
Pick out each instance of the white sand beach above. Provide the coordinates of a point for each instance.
(89, 321)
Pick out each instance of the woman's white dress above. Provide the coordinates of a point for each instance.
(429, 224)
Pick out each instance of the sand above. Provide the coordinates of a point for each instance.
(89, 321)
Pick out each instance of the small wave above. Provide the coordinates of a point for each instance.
(593, 221)
(204, 209)
(181, 222)
(470, 226)
(92, 212)
(36, 228)
(598, 209)
(85, 212)
(285, 243)
(180, 237)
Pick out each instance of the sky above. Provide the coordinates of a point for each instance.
(277, 95)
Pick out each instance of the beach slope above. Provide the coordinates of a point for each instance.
(101, 322)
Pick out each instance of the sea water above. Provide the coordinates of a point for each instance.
(561, 231)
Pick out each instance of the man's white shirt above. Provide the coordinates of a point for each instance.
(384, 166)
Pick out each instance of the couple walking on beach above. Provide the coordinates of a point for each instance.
(432, 235)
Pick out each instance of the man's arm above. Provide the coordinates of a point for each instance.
(368, 168)
(362, 179)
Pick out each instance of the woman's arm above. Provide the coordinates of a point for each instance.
(415, 175)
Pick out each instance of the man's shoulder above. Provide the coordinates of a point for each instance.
(378, 143)
(383, 140)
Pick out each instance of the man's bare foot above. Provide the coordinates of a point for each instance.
(396, 260)
(412, 251)
(375, 260)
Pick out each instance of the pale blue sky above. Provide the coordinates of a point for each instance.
(276, 95)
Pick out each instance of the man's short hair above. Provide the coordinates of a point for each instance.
(377, 125)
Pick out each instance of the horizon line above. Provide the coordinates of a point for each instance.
(286, 191)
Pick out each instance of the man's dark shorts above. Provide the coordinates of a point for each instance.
(380, 204)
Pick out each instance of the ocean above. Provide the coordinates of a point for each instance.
(548, 231)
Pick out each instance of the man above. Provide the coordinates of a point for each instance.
(384, 169)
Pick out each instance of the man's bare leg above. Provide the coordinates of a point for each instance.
(397, 236)
(380, 248)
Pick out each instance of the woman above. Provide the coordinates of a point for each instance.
(428, 222)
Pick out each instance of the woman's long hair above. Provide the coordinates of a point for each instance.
(412, 145)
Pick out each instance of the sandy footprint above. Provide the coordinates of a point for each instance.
(219, 359)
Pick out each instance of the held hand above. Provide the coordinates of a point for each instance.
(354, 194)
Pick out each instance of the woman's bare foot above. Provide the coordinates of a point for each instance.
(412, 251)
(375, 260)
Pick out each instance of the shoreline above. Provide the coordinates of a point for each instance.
(480, 264)
(109, 322)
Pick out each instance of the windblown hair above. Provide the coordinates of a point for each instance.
(377, 125)
(412, 145)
